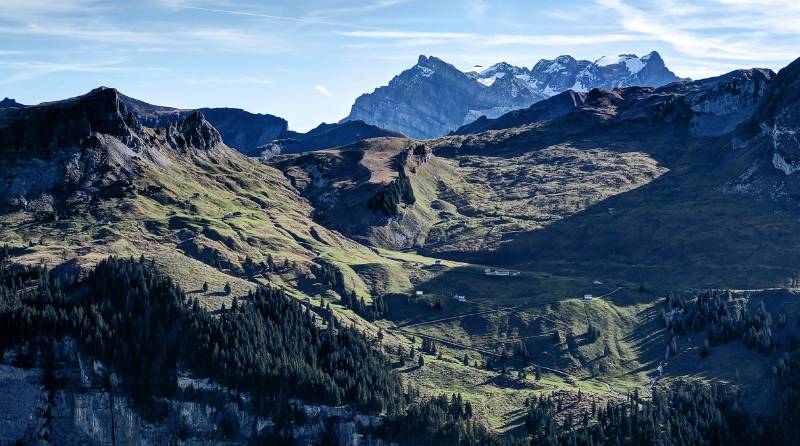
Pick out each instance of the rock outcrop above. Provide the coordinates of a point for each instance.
(86, 410)
(239, 129)
(779, 119)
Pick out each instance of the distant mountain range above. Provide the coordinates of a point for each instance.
(325, 136)
(252, 134)
(433, 98)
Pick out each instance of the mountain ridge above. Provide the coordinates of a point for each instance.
(433, 98)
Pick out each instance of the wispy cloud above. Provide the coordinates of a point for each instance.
(490, 40)
(12, 53)
(476, 9)
(321, 89)
(358, 9)
(306, 20)
(228, 39)
(742, 40)
(26, 70)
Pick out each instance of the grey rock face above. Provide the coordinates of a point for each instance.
(721, 103)
(86, 412)
(57, 151)
(429, 99)
(433, 98)
(779, 119)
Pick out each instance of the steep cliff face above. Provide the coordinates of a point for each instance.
(42, 130)
(434, 98)
(93, 143)
(779, 119)
(82, 410)
(423, 101)
(719, 104)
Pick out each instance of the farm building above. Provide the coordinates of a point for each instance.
(499, 272)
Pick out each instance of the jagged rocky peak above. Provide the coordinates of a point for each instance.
(433, 97)
(431, 62)
(193, 132)
(428, 66)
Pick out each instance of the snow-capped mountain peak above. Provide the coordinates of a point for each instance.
(434, 97)
(632, 62)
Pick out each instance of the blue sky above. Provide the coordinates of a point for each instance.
(308, 60)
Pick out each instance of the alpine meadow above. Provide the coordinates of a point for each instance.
(518, 223)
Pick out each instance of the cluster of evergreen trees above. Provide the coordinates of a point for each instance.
(443, 421)
(251, 268)
(689, 414)
(330, 276)
(724, 318)
(268, 345)
(143, 325)
(389, 198)
(377, 309)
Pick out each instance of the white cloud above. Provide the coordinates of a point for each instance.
(369, 7)
(323, 90)
(745, 30)
(476, 9)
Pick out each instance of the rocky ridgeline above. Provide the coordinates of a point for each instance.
(88, 144)
(709, 107)
(87, 407)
